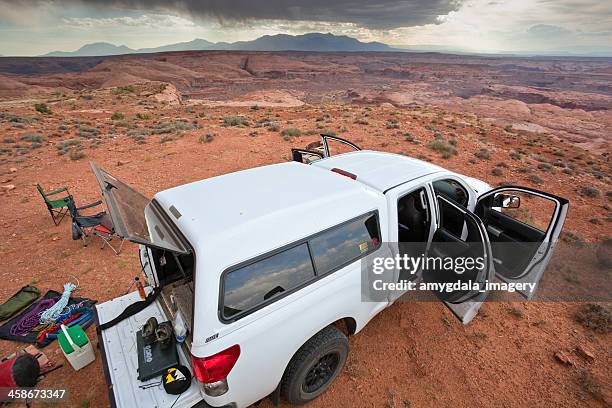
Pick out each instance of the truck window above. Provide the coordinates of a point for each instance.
(452, 190)
(249, 286)
(345, 243)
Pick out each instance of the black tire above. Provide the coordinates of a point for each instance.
(315, 366)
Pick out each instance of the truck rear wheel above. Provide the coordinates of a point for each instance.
(315, 366)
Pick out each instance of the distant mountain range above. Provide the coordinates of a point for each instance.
(279, 42)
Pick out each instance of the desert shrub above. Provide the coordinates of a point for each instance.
(559, 153)
(139, 135)
(254, 133)
(166, 139)
(32, 137)
(410, 138)
(291, 132)
(121, 90)
(76, 154)
(508, 128)
(255, 108)
(590, 385)
(568, 171)
(87, 97)
(483, 154)
(273, 127)
(9, 140)
(207, 138)
(533, 178)
(88, 132)
(514, 155)
(35, 145)
(452, 142)
(42, 108)
(443, 147)
(572, 238)
(546, 167)
(122, 123)
(559, 163)
(595, 317)
(65, 144)
(497, 171)
(143, 116)
(361, 121)
(117, 116)
(14, 119)
(174, 126)
(392, 124)
(590, 192)
(235, 121)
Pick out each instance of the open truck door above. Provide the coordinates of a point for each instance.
(513, 229)
(523, 226)
(305, 156)
(136, 217)
(325, 139)
(320, 151)
(452, 250)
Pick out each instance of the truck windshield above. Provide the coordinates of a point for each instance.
(136, 217)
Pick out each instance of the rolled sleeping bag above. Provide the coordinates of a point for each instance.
(21, 370)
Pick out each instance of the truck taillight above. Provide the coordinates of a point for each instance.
(216, 367)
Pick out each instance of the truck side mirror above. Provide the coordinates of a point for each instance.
(506, 200)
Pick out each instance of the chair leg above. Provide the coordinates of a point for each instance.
(106, 240)
(52, 213)
(58, 216)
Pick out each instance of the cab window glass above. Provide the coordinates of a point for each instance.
(247, 287)
(345, 243)
(451, 190)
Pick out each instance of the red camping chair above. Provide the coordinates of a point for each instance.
(98, 224)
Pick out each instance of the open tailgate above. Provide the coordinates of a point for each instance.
(120, 358)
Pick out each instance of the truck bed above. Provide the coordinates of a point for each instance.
(120, 360)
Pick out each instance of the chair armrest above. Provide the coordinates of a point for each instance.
(94, 204)
(59, 190)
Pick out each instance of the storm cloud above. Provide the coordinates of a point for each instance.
(378, 14)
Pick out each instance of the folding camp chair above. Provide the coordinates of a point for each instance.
(58, 208)
(98, 224)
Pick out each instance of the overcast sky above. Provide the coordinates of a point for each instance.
(35, 27)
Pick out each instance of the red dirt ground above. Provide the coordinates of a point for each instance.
(412, 354)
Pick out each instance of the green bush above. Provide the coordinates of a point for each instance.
(117, 116)
(32, 137)
(590, 192)
(483, 154)
(207, 138)
(291, 132)
(76, 154)
(235, 121)
(442, 146)
(42, 108)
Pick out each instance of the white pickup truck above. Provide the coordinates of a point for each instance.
(264, 265)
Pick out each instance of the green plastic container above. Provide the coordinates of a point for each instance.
(78, 336)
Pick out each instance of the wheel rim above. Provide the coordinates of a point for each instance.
(321, 372)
